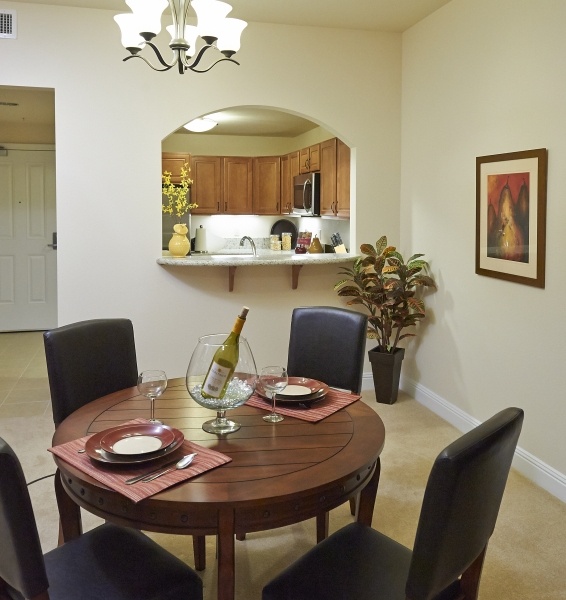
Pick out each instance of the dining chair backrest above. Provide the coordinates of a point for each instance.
(461, 503)
(19, 539)
(328, 344)
(109, 562)
(87, 360)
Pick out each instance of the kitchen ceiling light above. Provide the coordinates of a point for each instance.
(200, 125)
(213, 30)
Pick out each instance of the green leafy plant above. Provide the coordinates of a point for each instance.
(387, 287)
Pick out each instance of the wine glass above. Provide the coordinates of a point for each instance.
(152, 384)
(241, 383)
(274, 380)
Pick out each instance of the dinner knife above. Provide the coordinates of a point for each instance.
(153, 472)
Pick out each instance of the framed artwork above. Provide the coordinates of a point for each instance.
(511, 216)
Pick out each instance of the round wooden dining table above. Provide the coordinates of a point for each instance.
(279, 474)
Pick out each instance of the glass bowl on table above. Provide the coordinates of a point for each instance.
(239, 385)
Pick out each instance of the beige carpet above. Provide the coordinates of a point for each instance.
(525, 560)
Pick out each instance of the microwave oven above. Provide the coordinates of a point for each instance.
(306, 195)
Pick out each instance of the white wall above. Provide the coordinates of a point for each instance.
(479, 78)
(111, 118)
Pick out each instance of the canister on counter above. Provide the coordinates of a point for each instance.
(274, 242)
(286, 241)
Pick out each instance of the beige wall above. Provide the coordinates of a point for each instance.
(111, 118)
(479, 78)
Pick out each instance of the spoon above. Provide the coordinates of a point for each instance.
(182, 464)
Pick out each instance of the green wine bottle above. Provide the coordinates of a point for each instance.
(224, 362)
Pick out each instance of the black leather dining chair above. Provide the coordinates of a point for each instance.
(328, 344)
(108, 562)
(87, 360)
(458, 515)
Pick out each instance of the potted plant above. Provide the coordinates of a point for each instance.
(390, 290)
(177, 204)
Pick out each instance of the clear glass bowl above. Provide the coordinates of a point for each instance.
(241, 386)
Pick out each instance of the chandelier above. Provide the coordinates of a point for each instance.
(213, 32)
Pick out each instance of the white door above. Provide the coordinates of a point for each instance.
(28, 258)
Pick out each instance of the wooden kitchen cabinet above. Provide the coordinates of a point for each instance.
(206, 191)
(328, 177)
(334, 178)
(286, 185)
(310, 159)
(237, 192)
(267, 185)
(172, 162)
(342, 179)
(289, 170)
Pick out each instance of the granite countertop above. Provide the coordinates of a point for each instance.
(244, 258)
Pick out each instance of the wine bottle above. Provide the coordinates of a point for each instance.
(224, 362)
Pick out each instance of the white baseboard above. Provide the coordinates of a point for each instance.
(528, 465)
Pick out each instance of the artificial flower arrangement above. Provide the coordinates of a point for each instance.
(176, 193)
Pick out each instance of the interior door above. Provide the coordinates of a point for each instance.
(28, 254)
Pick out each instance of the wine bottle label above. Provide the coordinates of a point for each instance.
(215, 380)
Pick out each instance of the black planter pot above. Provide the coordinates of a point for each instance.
(386, 370)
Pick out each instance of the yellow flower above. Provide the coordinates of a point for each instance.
(177, 203)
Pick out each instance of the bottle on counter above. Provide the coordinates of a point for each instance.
(224, 361)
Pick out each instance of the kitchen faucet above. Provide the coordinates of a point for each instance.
(247, 237)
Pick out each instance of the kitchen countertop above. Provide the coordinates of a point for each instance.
(234, 258)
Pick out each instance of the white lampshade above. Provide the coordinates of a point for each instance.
(200, 125)
(210, 14)
(190, 36)
(229, 38)
(130, 30)
(148, 14)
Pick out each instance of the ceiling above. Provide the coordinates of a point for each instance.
(37, 106)
(372, 15)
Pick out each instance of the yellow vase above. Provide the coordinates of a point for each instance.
(179, 244)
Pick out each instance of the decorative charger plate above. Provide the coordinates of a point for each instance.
(286, 226)
(299, 389)
(94, 450)
(137, 439)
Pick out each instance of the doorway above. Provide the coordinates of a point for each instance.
(28, 255)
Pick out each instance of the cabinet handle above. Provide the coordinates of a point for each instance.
(218, 206)
(225, 206)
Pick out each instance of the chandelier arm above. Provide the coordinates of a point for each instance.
(191, 68)
(166, 68)
(161, 59)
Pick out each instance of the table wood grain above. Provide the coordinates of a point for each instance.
(280, 474)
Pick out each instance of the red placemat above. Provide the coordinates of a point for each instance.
(115, 475)
(331, 403)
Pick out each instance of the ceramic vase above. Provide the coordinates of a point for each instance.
(179, 244)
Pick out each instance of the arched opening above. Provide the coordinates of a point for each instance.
(252, 133)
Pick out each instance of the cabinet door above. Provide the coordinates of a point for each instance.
(267, 185)
(172, 162)
(314, 158)
(286, 186)
(310, 159)
(294, 165)
(206, 189)
(238, 185)
(328, 177)
(304, 157)
(343, 179)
